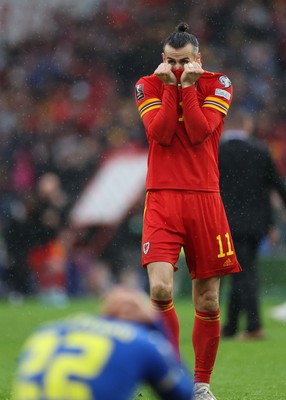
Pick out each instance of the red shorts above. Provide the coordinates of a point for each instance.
(194, 221)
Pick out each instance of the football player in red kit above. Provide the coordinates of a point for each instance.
(183, 108)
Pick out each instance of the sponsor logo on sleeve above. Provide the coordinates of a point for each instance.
(222, 93)
(224, 81)
(140, 92)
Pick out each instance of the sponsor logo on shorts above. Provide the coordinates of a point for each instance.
(227, 263)
(146, 247)
(222, 93)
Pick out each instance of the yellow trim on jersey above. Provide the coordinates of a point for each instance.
(145, 205)
(149, 109)
(148, 102)
(148, 105)
(217, 104)
(216, 107)
(217, 100)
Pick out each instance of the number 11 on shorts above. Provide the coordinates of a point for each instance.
(221, 253)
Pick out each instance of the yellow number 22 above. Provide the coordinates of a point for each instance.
(83, 355)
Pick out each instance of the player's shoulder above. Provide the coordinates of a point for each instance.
(148, 81)
(147, 84)
(215, 84)
(217, 79)
(152, 79)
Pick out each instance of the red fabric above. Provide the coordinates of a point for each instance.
(170, 319)
(195, 221)
(183, 130)
(200, 123)
(165, 117)
(206, 335)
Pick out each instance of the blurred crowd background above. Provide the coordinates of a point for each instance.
(67, 76)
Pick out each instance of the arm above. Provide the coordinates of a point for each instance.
(161, 124)
(199, 122)
(165, 373)
(202, 121)
(158, 111)
(177, 385)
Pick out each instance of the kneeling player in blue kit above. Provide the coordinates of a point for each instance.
(104, 357)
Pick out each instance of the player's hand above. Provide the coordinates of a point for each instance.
(165, 74)
(192, 71)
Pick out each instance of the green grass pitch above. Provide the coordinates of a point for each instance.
(243, 371)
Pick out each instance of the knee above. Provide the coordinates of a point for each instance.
(207, 301)
(161, 291)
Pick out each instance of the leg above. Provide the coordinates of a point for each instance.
(161, 279)
(250, 289)
(235, 301)
(234, 307)
(244, 287)
(206, 331)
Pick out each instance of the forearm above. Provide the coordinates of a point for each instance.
(199, 122)
(161, 125)
(182, 390)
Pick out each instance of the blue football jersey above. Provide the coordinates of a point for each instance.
(94, 358)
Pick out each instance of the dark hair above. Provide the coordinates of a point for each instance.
(180, 38)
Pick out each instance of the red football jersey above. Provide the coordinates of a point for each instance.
(183, 128)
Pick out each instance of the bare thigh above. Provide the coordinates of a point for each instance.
(161, 280)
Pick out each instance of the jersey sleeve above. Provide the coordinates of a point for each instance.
(219, 95)
(202, 120)
(158, 111)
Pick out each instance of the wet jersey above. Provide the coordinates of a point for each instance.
(183, 128)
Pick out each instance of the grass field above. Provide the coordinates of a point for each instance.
(244, 370)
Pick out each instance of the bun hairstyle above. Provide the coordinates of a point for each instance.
(181, 37)
(182, 27)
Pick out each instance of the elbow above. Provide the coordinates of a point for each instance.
(198, 141)
(162, 140)
(197, 138)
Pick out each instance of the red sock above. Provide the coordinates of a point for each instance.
(167, 311)
(206, 334)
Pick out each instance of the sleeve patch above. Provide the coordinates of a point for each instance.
(222, 93)
(225, 81)
(140, 92)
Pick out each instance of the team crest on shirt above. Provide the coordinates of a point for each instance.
(146, 247)
(225, 81)
(139, 91)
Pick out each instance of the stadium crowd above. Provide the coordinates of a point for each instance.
(66, 99)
